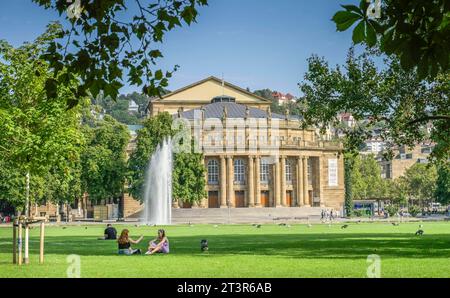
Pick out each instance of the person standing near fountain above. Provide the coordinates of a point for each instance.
(159, 244)
(125, 241)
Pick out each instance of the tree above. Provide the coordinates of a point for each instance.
(348, 170)
(442, 192)
(103, 41)
(420, 183)
(154, 130)
(39, 138)
(188, 178)
(415, 31)
(366, 178)
(294, 108)
(119, 108)
(103, 159)
(125, 117)
(13, 185)
(392, 97)
(265, 93)
(396, 191)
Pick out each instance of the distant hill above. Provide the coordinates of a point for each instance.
(123, 110)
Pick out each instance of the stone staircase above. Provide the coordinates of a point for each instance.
(242, 215)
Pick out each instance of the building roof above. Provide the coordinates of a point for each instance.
(213, 78)
(234, 110)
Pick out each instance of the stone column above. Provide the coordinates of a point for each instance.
(250, 183)
(230, 181)
(299, 182)
(320, 181)
(204, 201)
(257, 182)
(277, 183)
(305, 181)
(223, 182)
(283, 181)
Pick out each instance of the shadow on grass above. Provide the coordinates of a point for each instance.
(306, 246)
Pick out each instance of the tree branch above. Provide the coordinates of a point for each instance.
(430, 118)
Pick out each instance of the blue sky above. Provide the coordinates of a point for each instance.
(253, 43)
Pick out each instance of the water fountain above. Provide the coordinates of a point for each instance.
(158, 186)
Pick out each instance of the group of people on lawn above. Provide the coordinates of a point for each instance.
(158, 245)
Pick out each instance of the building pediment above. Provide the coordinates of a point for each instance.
(204, 91)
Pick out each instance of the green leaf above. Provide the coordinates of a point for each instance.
(363, 5)
(51, 88)
(358, 33)
(158, 74)
(371, 37)
(344, 16)
(346, 21)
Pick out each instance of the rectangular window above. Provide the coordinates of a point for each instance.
(264, 171)
(388, 171)
(239, 171)
(288, 170)
(213, 172)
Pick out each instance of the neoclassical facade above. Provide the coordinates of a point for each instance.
(255, 158)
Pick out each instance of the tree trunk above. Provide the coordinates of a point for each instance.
(348, 167)
(27, 195)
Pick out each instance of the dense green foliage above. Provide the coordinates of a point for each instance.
(37, 134)
(293, 108)
(103, 159)
(188, 176)
(242, 251)
(366, 178)
(416, 31)
(119, 108)
(66, 151)
(416, 187)
(104, 44)
(391, 98)
(442, 192)
(419, 183)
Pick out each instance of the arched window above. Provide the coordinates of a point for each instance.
(213, 171)
(288, 170)
(264, 170)
(239, 171)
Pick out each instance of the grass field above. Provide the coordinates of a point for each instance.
(243, 251)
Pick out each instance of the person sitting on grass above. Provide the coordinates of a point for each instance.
(109, 234)
(125, 241)
(159, 244)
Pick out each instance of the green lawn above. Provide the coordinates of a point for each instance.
(244, 251)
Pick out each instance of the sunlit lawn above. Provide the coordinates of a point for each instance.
(243, 251)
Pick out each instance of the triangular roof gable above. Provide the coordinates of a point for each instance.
(206, 89)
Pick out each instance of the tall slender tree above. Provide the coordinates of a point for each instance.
(39, 137)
